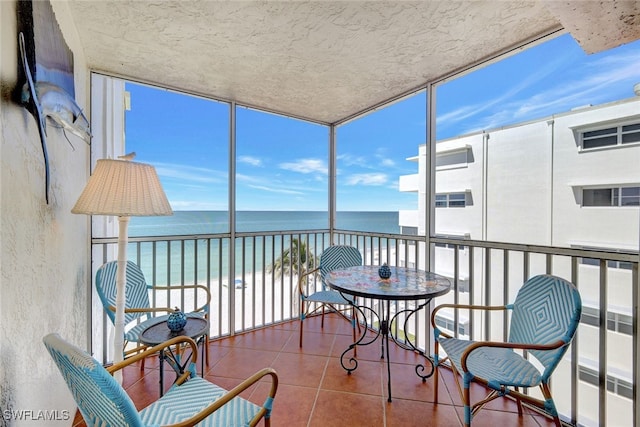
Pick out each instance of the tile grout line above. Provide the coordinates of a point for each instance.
(324, 373)
(383, 396)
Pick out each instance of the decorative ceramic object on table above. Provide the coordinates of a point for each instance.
(177, 320)
(384, 271)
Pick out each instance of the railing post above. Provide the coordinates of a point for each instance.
(430, 197)
(333, 167)
(635, 284)
(602, 346)
(232, 218)
(574, 352)
(487, 293)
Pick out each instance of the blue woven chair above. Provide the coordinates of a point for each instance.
(191, 400)
(333, 257)
(544, 319)
(138, 310)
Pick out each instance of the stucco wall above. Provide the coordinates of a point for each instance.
(44, 257)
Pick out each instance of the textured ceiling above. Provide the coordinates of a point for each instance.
(321, 60)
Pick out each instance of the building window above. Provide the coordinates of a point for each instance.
(448, 324)
(623, 265)
(450, 160)
(617, 135)
(451, 246)
(408, 231)
(610, 264)
(631, 133)
(616, 322)
(451, 200)
(630, 196)
(463, 285)
(614, 385)
(615, 196)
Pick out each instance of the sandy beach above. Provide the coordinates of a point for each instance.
(264, 299)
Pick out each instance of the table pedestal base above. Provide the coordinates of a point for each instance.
(196, 328)
(385, 331)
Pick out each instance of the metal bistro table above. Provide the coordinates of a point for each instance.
(404, 284)
(196, 328)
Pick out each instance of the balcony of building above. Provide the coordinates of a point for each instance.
(258, 324)
(314, 390)
(327, 63)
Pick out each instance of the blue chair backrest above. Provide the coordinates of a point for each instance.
(137, 291)
(101, 400)
(546, 309)
(338, 256)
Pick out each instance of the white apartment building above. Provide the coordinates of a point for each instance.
(577, 185)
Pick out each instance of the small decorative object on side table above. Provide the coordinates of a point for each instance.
(196, 328)
(177, 320)
(384, 271)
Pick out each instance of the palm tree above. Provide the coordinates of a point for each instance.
(296, 260)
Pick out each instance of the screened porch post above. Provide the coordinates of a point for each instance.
(332, 180)
(430, 195)
(231, 274)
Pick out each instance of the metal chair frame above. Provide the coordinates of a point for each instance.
(544, 319)
(333, 257)
(103, 402)
(138, 310)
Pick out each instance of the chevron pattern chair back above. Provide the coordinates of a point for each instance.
(333, 257)
(101, 400)
(546, 309)
(544, 319)
(136, 287)
(338, 256)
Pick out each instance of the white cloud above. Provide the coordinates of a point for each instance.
(382, 154)
(250, 160)
(305, 166)
(190, 173)
(388, 163)
(240, 177)
(286, 185)
(466, 111)
(195, 205)
(350, 160)
(599, 78)
(276, 190)
(367, 179)
(603, 75)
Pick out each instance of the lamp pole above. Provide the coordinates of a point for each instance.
(121, 290)
(122, 188)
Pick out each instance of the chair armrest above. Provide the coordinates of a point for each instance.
(465, 306)
(234, 392)
(512, 345)
(304, 276)
(214, 406)
(196, 287)
(144, 310)
(155, 349)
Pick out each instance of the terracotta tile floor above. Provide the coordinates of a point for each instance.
(314, 390)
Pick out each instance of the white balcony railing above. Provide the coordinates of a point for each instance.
(595, 384)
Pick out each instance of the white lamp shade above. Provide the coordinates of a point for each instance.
(123, 188)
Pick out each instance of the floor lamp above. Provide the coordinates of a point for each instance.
(122, 188)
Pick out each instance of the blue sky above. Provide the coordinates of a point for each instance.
(282, 163)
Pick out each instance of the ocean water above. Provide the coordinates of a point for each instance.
(173, 263)
(210, 222)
